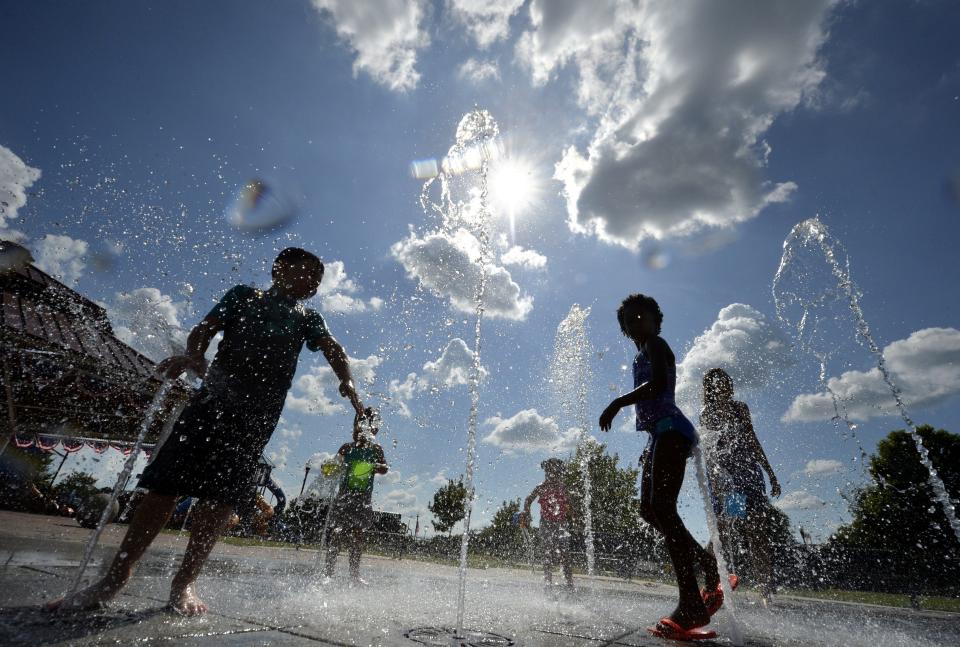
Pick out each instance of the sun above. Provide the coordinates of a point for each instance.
(514, 187)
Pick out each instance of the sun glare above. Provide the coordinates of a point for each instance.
(514, 187)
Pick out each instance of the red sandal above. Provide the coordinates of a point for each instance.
(713, 600)
(671, 630)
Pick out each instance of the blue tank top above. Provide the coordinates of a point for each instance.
(664, 406)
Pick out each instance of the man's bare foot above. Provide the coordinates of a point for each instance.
(93, 597)
(186, 602)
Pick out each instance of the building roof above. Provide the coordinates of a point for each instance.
(66, 367)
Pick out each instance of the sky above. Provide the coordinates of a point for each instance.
(658, 147)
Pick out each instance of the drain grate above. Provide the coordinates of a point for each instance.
(446, 637)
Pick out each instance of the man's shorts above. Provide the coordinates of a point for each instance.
(212, 451)
(352, 511)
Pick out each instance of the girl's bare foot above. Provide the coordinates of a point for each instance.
(93, 597)
(186, 602)
(691, 615)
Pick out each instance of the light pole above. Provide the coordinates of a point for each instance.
(306, 471)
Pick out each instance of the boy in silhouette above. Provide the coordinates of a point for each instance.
(216, 442)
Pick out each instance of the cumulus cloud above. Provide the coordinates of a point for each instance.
(384, 36)
(823, 467)
(529, 432)
(925, 366)
(799, 500)
(681, 95)
(16, 176)
(338, 292)
(316, 391)
(743, 343)
(486, 20)
(527, 258)
(451, 369)
(440, 478)
(399, 501)
(477, 71)
(448, 265)
(280, 455)
(149, 321)
(62, 257)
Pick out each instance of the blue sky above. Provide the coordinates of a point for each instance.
(692, 139)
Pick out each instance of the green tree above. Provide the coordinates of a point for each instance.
(503, 537)
(449, 505)
(612, 488)
(897, 512)
(78, 486)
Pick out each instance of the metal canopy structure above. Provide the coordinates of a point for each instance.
(65, 374)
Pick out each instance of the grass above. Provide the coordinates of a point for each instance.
(930, 603)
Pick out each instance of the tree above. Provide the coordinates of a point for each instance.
(612, 489)
(449, 505)
(897, 512)
(77, 487)
(503, 537)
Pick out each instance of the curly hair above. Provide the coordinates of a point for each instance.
(643, 302)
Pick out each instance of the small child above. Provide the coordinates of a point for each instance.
(554, 516)
(353, 508)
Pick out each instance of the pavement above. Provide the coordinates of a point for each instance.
(272, 596)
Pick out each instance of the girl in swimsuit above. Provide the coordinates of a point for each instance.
(671, 439)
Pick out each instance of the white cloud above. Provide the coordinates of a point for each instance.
(527, 258)
(149, 321)
(401, 501)
(440, 478)
(451, 369)
(448, 266)
(62, 257)
(925, 366)
(823, 467)
(316, 391)
(743, 343)
(682, 94)
(280, 455)
(16, 176)
(454, 365)
(337, 292)
(529, 432)
(383, 34)
(318, 459)
(486, 20)
(477, 71)
(799, 500)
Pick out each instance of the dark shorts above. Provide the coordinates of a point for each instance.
(352, 511)
(213, 450)
(555, 542)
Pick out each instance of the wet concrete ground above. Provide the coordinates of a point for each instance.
(272, 597)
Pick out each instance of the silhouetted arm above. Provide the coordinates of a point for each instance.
(757, 448)
(193, 358)
(337, 357)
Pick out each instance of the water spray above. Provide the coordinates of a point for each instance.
(155, 406)
(475, 147)
(813, 233)
(570, 375)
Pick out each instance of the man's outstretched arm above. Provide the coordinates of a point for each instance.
(337, 357)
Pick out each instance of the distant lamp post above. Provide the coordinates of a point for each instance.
(306, 472)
